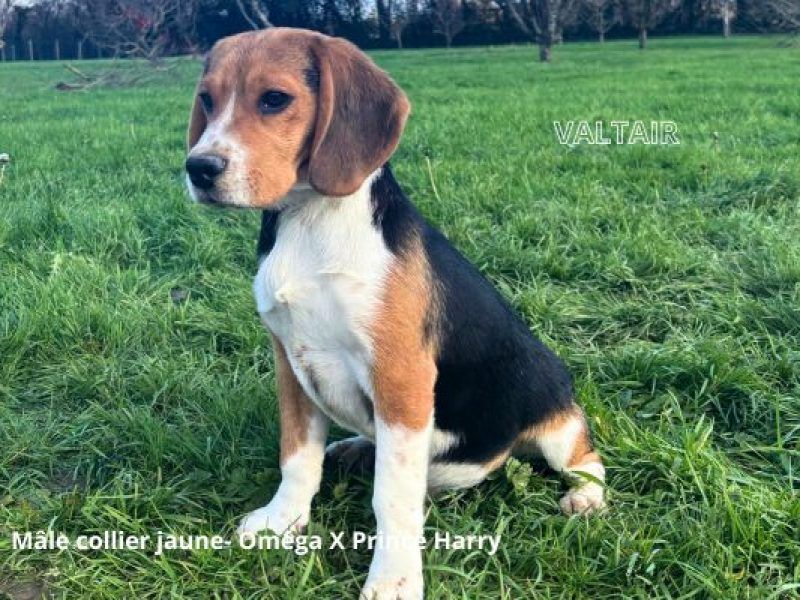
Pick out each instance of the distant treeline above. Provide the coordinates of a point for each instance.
(69, 29)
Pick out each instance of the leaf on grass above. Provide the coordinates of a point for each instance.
(518, 475)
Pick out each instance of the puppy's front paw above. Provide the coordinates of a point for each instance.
(394, 588)
(583, 500)
(397, 577)
(276, 517)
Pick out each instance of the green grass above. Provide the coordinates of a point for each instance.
(667, 277)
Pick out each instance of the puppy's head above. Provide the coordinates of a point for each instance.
(286, 108)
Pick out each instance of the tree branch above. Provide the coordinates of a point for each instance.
(261, 20)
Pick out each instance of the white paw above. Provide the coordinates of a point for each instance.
(397, 587)
(582, 500)
(276, 517)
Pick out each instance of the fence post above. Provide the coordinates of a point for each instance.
(30, 49)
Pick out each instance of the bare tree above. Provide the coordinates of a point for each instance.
(448, 17)
(602, 15)
(255, 13)
(134, 28)
(646, 14)
(6, 10)
(569, 13)
(331, 16)
(402, 12)
(772, 15)
(541, 20)
(383, 9)
(725, 10)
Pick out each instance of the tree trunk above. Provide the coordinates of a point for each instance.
(384, 22)
(553, 30)
(544, 51)
(726, 22)
(602, 36)
(545, 27)
(642, 38)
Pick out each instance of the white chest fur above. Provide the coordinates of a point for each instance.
(318, 291)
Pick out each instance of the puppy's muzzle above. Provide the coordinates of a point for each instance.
(204, 169)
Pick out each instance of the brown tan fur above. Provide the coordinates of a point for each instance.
(352, 137)
(496, 462)
(197, 122)
(327, 136)
(582, 453)
(404, 370)
(295, 406)
(277, 145)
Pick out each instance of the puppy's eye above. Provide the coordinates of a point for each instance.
(272, 102)
(206, 101)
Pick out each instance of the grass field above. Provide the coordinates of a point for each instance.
(667, 277)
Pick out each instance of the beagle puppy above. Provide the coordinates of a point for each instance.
(378, 323)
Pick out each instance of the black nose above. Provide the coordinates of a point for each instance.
(204, 169)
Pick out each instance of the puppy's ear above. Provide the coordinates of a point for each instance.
(361, 113)
(197, 123)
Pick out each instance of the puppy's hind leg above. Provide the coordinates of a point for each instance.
(449, 475)
(352, 455)
(564, 442)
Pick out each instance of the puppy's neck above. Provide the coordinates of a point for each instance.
(304, 199)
